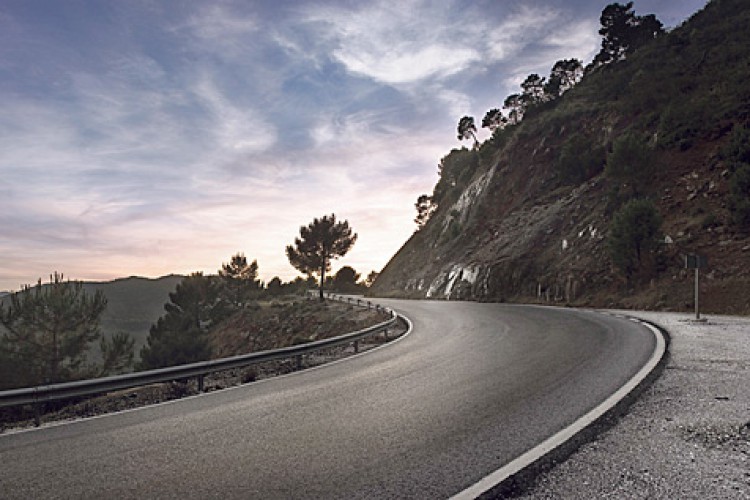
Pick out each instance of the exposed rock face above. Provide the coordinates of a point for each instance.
(511, 227)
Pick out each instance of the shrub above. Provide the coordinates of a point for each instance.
(631, 163)
(634, 236)
(580, 159)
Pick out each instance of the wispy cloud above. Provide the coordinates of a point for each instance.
(395, 42)
(236, 129)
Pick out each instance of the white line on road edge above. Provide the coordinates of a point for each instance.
(493, 479)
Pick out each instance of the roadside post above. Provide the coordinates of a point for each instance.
(696, 262)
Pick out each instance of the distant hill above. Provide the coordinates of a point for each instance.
(526, 215)
(134, 304)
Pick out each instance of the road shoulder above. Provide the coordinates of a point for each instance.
(687, 436)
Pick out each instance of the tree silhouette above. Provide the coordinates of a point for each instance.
(624, 32)
(633, 235)
(494, 120)
(564, 75)
(467, 129)
(346, 279)
(275, 287)
(425, 208)
(533, 90)
(514, 103)
(181, 335)
(240, 279)
(319, 242)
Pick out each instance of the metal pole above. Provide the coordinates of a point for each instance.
(37, 413)
(697, 308)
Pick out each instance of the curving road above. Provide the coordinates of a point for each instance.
(471, 388)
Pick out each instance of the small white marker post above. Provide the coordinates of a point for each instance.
(696, 262)
(697, 288)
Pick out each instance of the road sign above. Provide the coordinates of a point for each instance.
(695, 261)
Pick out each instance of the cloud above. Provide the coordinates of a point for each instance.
(218, 28)
(237, 129)
(394, 42)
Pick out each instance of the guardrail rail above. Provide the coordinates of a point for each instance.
(65, 390)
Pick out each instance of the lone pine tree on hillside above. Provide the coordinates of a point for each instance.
(319, 242)
(467, 129)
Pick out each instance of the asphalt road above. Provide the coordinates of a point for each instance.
(472, 387)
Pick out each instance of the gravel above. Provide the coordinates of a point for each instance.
(688, 434)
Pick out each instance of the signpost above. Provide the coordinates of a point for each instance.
(697, 262)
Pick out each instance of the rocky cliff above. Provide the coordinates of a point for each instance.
(513, 224)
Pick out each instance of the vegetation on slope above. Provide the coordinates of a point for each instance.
(526, 214)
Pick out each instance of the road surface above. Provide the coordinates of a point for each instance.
(471, 388)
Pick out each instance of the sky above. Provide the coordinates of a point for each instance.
(155, 137)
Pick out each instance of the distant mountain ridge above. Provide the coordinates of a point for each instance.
(134, 304)
(510, 226)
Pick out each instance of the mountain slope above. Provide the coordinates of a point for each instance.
(513, 224)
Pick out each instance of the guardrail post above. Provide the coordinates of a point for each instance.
(356, 346)
(200, 383)
(37, 414)
(385, 334)
(298, 361)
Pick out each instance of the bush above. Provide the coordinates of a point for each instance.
(634, 237)
(631, 163)
(580, 159)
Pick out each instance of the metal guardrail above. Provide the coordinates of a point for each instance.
(53, 392)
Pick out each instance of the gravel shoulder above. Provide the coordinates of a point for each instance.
(688, 434)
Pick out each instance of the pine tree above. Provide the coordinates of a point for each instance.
(49, 329)
(240, 280)
(320, 241)
(181, 335)
(634, 236)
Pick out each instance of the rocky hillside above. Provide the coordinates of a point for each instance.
(526, 215)
(287, 321)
